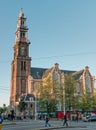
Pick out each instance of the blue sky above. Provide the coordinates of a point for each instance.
(60, 31)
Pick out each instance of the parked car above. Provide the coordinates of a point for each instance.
(91, 118)
(85, 118)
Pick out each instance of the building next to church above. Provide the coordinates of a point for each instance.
(24, 78)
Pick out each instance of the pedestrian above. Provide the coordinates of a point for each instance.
(1, 120)
(77, 116)
(39, 117)
(22, 115)
(65, 120)
(47, 121)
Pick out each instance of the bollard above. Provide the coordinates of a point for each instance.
(0, 126)
(13, 120)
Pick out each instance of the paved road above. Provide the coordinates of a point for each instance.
(33, 125)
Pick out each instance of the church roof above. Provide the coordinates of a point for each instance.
(78, 74)
(37, 73)
(67, 71)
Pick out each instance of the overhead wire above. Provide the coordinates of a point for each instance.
(57, 56)
(72, 54)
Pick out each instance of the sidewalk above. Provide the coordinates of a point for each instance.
(57, 127)
(55, 124)
(8, 123)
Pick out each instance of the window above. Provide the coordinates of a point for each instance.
(22, 22)
(22, 34)
(23, 65)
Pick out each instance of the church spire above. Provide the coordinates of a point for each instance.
(22, 29)
(21, 64)
(21, 14)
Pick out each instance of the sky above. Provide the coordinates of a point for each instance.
(60, 31)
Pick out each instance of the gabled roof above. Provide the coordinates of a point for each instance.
(77, 74)
(37, 73)
(67, 71)
(27, 97)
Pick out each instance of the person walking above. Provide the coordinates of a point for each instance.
(77, 116)
(40, 117)
(1, 120)
(47, 121)
(65, 120)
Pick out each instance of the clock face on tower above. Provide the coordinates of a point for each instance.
(22, 51)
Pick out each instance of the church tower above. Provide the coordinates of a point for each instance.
(21, 64)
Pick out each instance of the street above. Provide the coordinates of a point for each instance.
(31, 125)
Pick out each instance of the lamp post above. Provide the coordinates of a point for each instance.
(64, 100)
(35, 106)
(63, 94)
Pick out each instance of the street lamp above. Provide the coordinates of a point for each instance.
(35, 106)
(63, 94)
(64, 100)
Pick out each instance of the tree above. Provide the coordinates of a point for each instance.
(87, 102)
(47, 100)
(70, 90)
(93, 102)
(22, 105)
(3, 109)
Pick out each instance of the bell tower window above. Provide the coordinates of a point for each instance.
(22, 34)
(23, 65)
(22, 22)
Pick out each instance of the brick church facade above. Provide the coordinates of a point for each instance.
(24, 78)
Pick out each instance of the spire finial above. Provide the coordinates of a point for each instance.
(21, 13)
(21, 9)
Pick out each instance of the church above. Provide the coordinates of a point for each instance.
(24, 78)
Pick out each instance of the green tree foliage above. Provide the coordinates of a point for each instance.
(52, 92)
(93, 102)
(70, 90)
(88, 102)
(3, 109)
(47, 100)
(22, 105)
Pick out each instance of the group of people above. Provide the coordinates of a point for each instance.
(48, 124)
(47, 119)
